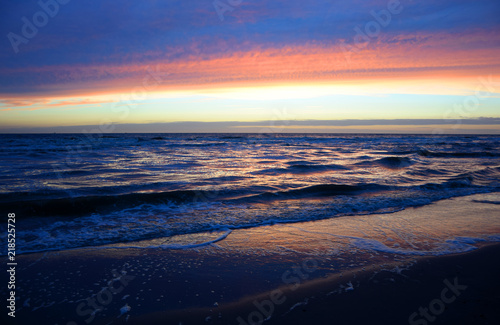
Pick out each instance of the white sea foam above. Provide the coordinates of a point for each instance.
(450, 246)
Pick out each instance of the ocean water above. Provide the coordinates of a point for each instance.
(82, 190)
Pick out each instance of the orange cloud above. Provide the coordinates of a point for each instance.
(419, 58)
(32, 104)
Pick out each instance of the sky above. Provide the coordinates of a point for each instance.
(383, 66)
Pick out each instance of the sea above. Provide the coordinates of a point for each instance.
(73, 191)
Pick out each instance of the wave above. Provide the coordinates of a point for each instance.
(486, 152)
(434, 154)
(394, 162)
(185, 244)
(177, 227)
(203, 144)
(323, 190)
(427, 172)
(83, 205)
(301, 169)
(163, 224)
(232, 137)
(50, 203)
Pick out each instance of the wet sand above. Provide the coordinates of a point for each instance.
(379, 295)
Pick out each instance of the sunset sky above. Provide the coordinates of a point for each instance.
(245, 66)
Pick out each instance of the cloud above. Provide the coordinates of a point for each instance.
(37, 104)
(481, 125)
(388, 56)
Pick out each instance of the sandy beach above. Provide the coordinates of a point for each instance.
(334, 271)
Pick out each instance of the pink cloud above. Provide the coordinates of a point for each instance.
(387, 56)
(45, 103)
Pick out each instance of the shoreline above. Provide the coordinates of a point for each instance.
(345, 270)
